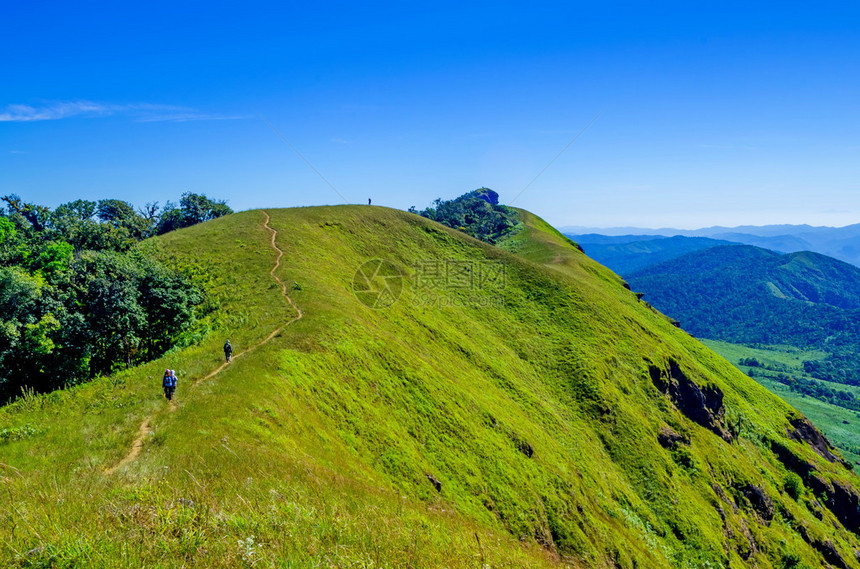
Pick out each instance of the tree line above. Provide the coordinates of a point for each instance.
(810, 387)
(797, 383)
(78, 299)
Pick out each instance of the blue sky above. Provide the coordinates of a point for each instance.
(724, 114)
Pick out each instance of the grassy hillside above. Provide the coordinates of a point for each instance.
(512, 406)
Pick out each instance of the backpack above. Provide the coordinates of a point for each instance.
(168, 381)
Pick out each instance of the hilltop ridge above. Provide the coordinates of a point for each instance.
(509, 406)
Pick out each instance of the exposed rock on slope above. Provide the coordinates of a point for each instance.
(704, 405)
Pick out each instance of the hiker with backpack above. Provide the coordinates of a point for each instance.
(169, 383)
(228, 351)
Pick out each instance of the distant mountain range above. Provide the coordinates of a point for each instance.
(746, 294)
(842, 243)
(626, 254)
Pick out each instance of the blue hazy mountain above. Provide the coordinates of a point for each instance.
(747, 294)
(841, 243)
(630, 253)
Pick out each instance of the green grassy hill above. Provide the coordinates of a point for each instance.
(512, 406)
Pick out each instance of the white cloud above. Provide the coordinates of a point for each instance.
(144, 112)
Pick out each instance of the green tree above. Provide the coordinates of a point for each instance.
(20, 306)
(476, 213)
(76, 300)
(10, 243)
(36, 216)
(54, 258)
(171, 219)
(121, 216)
(115, 320)
(197, 208)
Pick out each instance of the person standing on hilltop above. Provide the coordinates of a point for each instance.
(169, 383)
(368, 201)
(228, 351)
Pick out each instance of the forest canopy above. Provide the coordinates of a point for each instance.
(476, 213)
(78, 300)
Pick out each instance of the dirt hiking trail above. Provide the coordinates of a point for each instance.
(146, 425)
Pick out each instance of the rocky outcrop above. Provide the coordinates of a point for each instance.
(825, 547)
(750, 548)
(521, 445)
(704, 405)
(791, 461)
(759, 500)
(434, 481)
(804, 431)
(718, 490)
(830, 554)
(840, 498)
(845, 505)
(669, 438)
(525, 448)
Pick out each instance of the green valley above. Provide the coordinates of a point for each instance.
(836, 421)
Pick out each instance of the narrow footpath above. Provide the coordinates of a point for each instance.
(146, 425)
